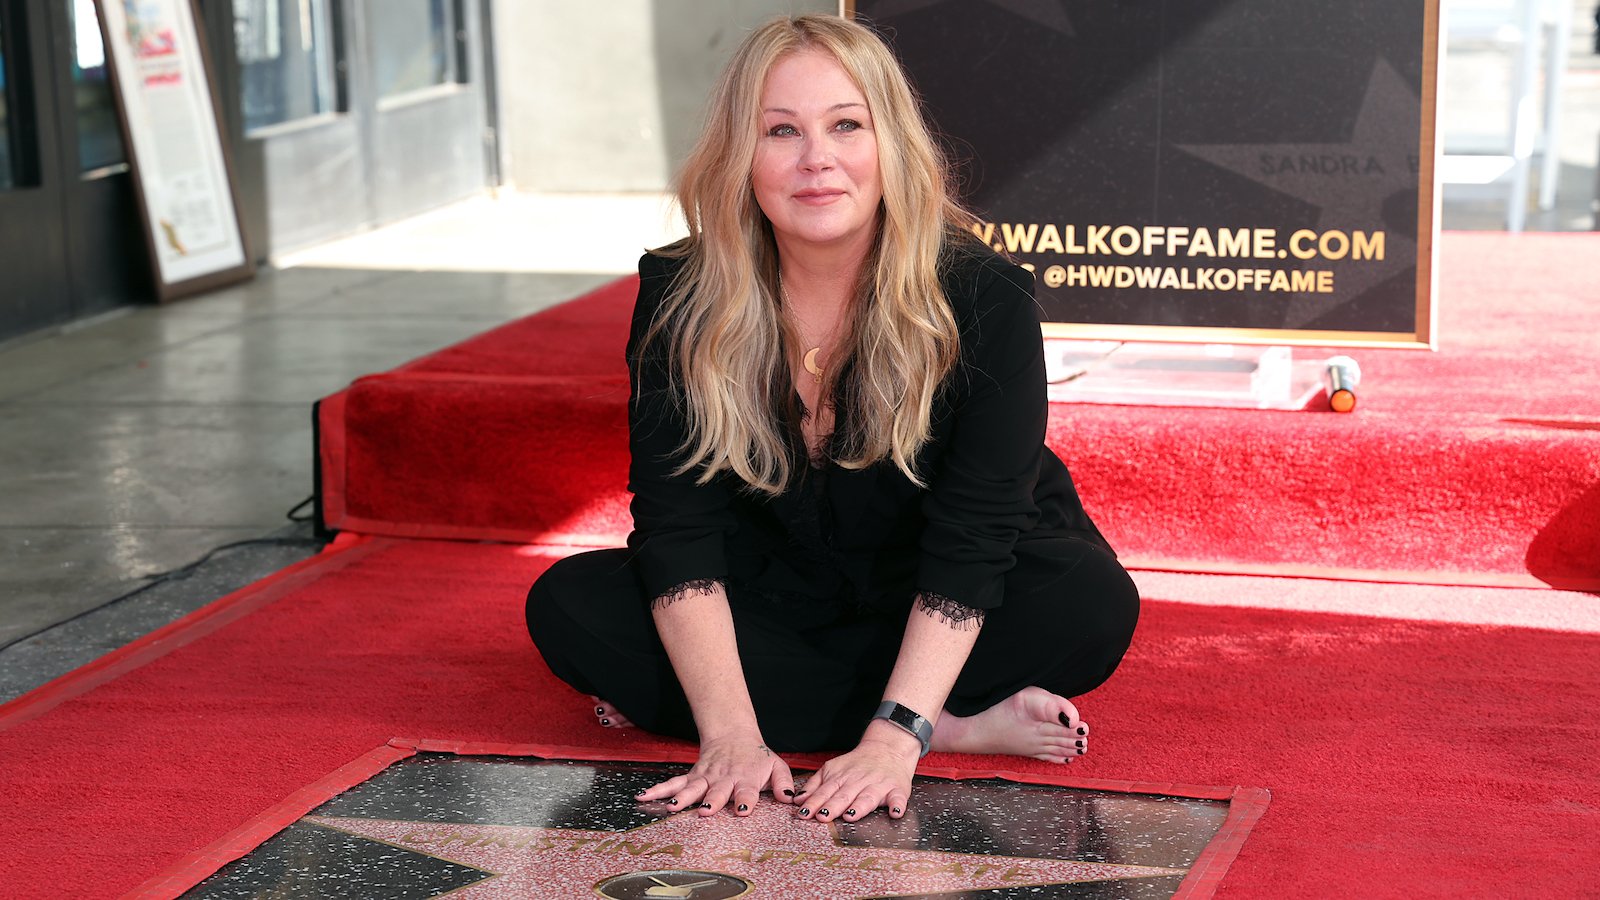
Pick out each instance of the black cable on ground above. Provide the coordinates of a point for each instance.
(302, 505)
(177, 574)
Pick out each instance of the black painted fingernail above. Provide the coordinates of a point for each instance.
(788, 792)
(1082, 730)
(822, 812)
(599, 710)
(744, 807)
(673, 801)
(1065, 722)
(804, 811)
(606, 722)
(849, 812)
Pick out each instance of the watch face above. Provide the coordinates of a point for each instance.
(672, 884)
(908, 719)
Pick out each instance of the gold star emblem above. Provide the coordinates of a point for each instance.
(771, 853)
(1349, 182)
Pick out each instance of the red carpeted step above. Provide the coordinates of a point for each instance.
(517, 434)
(1476, 464)
(516, 459)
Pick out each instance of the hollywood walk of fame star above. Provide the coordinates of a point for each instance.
(781, 855)
(1347, 181)
(1047, 13)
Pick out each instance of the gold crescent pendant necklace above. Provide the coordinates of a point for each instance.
(810, 359)
(810, 362)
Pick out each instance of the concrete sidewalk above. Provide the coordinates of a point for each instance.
(135, 443)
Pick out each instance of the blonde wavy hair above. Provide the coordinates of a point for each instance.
(722, 318)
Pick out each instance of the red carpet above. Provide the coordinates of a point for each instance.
(1404, 758)
(1479, 464)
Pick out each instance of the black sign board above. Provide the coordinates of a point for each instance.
(1226, 171)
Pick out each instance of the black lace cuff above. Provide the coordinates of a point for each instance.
(704, 587)
(957, 616)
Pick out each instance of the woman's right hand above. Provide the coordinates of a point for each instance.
(732, 770)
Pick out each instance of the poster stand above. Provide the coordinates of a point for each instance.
(182, 170)
(1209, 375)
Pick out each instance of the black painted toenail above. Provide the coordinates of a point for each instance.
(1082, 730)
(606, 722)
(788, 792)
(1080, 752)
(896, 810)
(705, 806)
(673, 802)
(804, 811)
(1065, 722)
(599, 710)
(849, 812)
(744, 807)
(822, 812)
(1082, 744)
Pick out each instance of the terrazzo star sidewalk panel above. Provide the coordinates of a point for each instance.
(426, 818)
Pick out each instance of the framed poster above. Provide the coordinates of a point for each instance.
(181, 171)
(1218, 171)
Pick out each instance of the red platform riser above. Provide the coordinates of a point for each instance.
(1479, 464)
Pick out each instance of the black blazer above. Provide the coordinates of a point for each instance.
(870, 537)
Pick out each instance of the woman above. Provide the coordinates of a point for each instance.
(848, 533)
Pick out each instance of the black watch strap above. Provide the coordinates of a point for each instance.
(908, 719)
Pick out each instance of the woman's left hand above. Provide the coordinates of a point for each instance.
(877, 773)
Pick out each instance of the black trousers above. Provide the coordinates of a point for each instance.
(816, 673)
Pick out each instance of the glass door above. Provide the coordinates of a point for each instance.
(356, 112)
(286, 62)
(33, 291)
(108, 262)
(71, 244)
(301, 161)
(429, 111)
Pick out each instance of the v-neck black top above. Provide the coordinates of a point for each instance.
(870, 537)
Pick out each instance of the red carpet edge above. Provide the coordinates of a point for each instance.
(345, 549)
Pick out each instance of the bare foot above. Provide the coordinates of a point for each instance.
(1032, 722)
(608, 715)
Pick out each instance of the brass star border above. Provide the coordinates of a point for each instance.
(789, 858)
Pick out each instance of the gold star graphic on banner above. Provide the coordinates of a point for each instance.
(771, 853)
(1348, 182)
